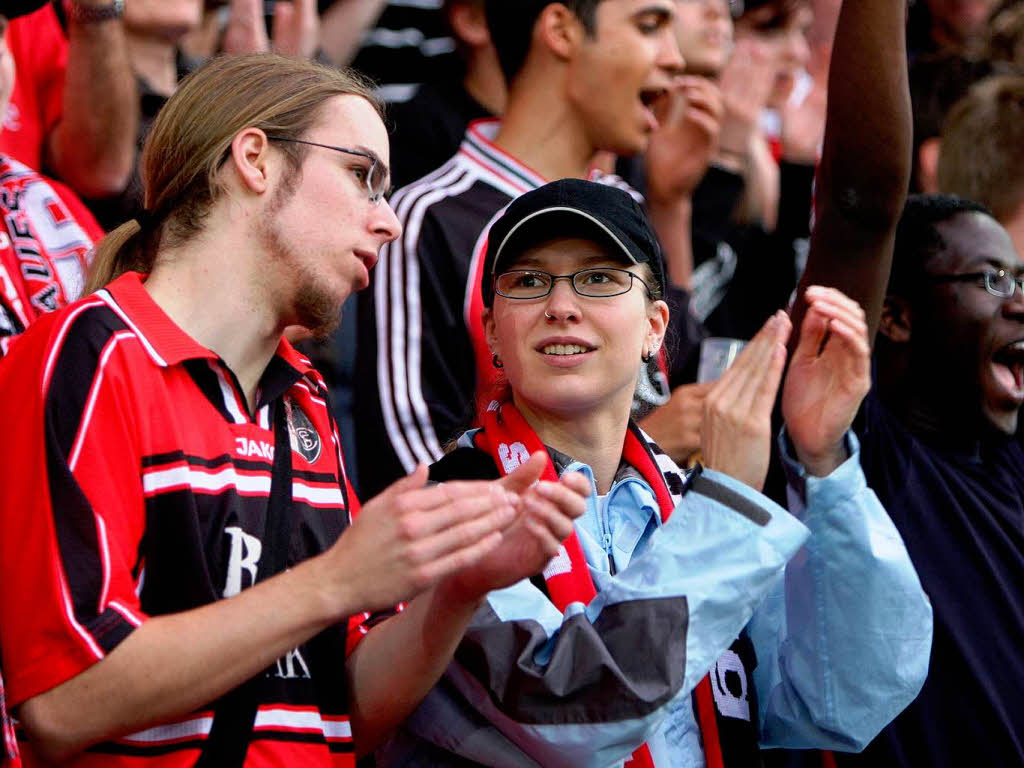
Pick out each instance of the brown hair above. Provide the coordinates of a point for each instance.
(1005, 41)
(983, 145)
(192, 137)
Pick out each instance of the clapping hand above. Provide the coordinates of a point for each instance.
(546, 513)
(828, 377)
(411, 536)
(736, 436)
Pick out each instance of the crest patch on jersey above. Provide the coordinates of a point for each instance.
(304, 437)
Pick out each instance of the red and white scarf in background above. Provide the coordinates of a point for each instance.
(46, 243)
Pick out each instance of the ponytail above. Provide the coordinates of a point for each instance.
(122, 250)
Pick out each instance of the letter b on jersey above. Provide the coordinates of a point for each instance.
(243, 558)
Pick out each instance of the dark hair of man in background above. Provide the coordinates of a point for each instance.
(512, 23)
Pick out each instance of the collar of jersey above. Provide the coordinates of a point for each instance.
(479, 147)
(171, 344)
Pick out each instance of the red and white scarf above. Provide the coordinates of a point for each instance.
(46, 240)
(510, 441)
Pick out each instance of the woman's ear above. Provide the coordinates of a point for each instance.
(896, 319)
(657, 317)
(489, 334)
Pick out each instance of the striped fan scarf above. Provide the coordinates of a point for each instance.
(510, 440)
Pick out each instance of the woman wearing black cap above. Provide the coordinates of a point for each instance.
(666, 574)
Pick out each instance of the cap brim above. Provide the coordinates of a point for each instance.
(560, 222)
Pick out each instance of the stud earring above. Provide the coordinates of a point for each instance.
(496, 362)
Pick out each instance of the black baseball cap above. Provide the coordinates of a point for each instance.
(572, 208)
(12, 9)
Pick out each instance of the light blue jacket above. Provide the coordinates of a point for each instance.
(842, 633)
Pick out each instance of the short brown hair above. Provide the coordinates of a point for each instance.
(1005, 43)
(192, 137)
(982, 155)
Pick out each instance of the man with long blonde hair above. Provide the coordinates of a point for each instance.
(184, 578)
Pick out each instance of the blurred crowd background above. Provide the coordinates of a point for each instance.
(737, 146)
(85, 95)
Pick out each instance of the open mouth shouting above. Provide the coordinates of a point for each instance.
(1008, 370)
(654, 101)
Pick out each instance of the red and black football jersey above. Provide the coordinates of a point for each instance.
(137, 484)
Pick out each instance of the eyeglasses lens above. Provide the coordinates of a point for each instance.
(376, 180)
(1000, 283)
(597, 283)
(602, 282)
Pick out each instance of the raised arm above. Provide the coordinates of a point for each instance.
(833, 666)
(865, 166)
(93, 146)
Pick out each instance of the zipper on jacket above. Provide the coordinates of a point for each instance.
(608, 550)
(606, 536)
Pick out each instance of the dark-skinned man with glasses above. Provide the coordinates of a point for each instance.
(938, 448)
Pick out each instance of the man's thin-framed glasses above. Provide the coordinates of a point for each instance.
(997, 282)
(376, 176)
(594, 282)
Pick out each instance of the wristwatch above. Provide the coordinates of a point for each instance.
(80, 13)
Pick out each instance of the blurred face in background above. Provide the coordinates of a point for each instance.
(618, 74)
(704, 32)
(785, 25)
(163, 18)
(954, 21)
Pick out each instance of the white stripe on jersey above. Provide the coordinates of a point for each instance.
(185, 729)
(94, 390)
(408, 370)
(391, 347)
(302, 720)
(69, 319)
(216, 481)
(200, 481)
(319, 496)
(106, 297)
(228, 393)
